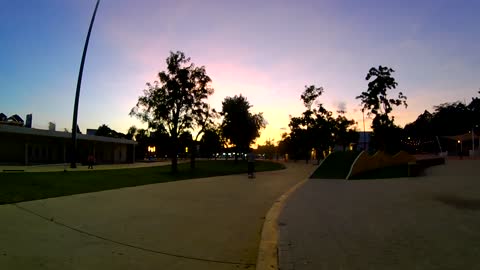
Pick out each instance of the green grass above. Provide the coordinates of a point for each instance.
(382, 173)
(336, 165)
(18, 187)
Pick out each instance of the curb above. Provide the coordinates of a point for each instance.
(267, 258)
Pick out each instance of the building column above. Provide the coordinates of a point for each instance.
(26, 153)
(113, 153)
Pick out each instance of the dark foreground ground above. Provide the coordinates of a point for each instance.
(430, 222)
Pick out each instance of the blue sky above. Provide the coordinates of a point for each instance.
(266, 50)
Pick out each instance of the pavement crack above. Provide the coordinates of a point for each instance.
(246, 265)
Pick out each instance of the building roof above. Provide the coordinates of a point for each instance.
(15, 118)
(462, 137)
(3, 117)
(58, 134)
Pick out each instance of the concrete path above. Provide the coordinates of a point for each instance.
(61, 167)
(211, 223)
(431, 222)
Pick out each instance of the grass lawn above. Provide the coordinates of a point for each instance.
(18, 187)
(336, 165)
(387, 172)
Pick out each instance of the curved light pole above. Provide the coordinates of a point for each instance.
(73, 163)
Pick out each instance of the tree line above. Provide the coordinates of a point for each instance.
(176, 108)
(182, 123)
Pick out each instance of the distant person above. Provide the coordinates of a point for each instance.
(251, 164)
(91, 160)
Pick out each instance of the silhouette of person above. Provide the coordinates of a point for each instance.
(251, 163)
(91, 161)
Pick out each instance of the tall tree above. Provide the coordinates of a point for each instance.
(175, 100)
(204, 120)
(377, 104)
(314, 129)
(344, 133)
(131, 132)
(106, 131)
(210, 143)
(240, 127)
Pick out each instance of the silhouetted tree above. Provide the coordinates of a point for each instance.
(210, 143)
(142, 137)
(131, 133)
(105, 131)
(377, 103)
(175, 100)
(344, 134)
(240, 127)
(314, 129)
(285, 145)
(447, 119)
(268, 149)
(204, 120)
(451, 119)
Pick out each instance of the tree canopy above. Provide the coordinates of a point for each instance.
(240, 127)
(106, 131)
(377, 103)
(176, 101)
(316, 128)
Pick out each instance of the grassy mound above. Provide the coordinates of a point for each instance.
(397, 171)
(336, 165)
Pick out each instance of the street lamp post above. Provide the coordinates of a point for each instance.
(364, 134)
(73, 163)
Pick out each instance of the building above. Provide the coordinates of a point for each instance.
(364, 141)
(91, 131)
(14, 120)
(21, 145)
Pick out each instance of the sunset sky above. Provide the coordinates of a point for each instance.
(265, 50)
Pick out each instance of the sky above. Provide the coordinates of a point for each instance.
(265, 50)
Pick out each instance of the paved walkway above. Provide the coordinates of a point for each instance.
(211, 223)
(61, 167)
(431, 222)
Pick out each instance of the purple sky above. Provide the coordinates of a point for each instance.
(265, 50)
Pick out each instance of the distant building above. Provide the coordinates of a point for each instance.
(3, 117)
(52, 126)
(91, 131)
(364, 141)
(28, 124)
(20, 145)
(15, 120)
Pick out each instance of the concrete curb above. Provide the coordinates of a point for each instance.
(267, 258)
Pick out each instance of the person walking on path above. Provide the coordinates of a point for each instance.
(251, 164)
(91, 160)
